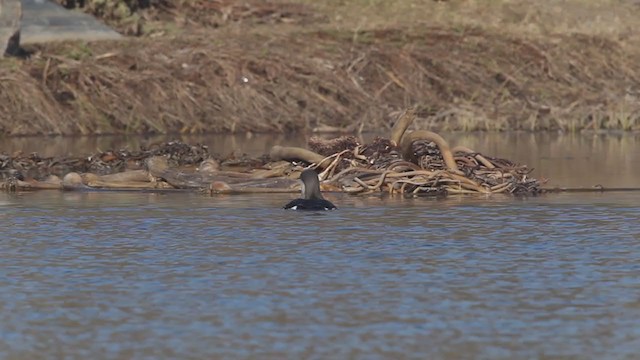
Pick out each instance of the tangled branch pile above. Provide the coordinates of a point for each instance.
(417, 162)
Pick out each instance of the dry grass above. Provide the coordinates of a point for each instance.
(467, 65)
(153, 17)
(616, 18)
(593, 17)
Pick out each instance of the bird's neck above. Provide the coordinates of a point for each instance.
(312, 193)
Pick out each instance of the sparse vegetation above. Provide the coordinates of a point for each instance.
(201, 66)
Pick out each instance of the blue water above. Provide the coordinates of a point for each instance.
(149, 276)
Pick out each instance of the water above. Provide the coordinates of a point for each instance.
(148, 276)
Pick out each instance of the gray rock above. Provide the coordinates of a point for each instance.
(10, 18)
(46, 21)
(40, 21)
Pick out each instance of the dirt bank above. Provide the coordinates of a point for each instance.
(298, 71)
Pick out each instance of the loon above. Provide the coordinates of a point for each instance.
(311, 197)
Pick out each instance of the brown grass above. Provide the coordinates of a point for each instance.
(347, 73)
(150, 17)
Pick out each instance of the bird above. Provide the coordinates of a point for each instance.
(311, 197)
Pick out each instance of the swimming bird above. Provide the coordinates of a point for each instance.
(311, 197)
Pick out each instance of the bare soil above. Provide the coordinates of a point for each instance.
(225, 66)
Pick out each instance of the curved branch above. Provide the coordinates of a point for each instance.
(402, 124)
(295, 153)
(445, 150)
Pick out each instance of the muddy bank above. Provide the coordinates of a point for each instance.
(322, 79)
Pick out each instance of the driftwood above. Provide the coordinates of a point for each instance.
(295, 154)
(256, 187)
(126, 176)
(52, 182)
(158, 167)
(479, 157)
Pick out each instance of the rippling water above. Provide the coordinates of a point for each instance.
(137, 276)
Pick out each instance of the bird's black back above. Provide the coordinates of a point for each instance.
(310, 204)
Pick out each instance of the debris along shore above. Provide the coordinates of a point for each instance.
(409, 162)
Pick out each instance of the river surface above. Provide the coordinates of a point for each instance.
(128, 275)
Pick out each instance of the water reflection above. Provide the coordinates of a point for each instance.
(573, 160)
(78, 146)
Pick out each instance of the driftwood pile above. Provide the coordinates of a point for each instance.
(416, 162)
